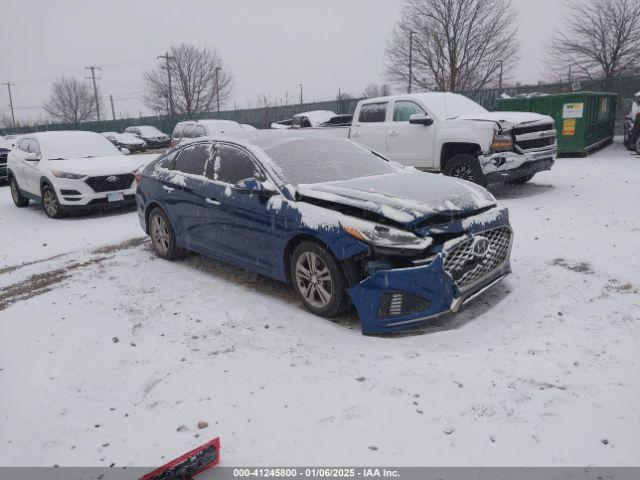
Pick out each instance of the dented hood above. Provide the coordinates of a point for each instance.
(508, 118)
(407, 197)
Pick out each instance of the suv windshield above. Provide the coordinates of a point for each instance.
(317, 160)
(76, 145)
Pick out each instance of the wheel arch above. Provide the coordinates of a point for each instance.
(451, 149)
(293, 243)
(147, 213)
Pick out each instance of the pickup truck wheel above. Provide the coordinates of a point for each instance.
(466, 167)
(318, 279)
(521, 180)
(20, 200)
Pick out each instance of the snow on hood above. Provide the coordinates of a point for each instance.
(4, 144)
(99, 166)
(405, 197)
(512, 118)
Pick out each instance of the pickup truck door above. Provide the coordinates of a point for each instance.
(408, 144)
(371, 125)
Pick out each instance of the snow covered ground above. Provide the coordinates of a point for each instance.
(110, 355)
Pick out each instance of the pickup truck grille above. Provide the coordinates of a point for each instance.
(110, 183)
(466, 267)
(534, 137)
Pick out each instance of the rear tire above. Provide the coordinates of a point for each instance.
(521, 180)
(162, 236)
(465, 167)
(50, 202)
(20, 200)
(318, 280)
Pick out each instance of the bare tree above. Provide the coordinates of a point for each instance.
(458, 45)
(193, 81)
(373, 90)
(71, 101)
(600, 39)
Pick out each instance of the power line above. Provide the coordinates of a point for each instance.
(95, 88)
(13, 117)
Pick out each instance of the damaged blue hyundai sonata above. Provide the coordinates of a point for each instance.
(338, 222)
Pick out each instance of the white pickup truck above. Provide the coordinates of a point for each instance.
(447, 132)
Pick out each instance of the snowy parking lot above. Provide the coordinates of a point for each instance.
(112, 356)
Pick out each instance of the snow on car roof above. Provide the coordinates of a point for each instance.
(441, 104)
(317, 116)
(74, 143)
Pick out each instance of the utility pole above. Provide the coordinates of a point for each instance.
(13, 117)
(218, 90)
(410, 60)
(166, 57)
(500, 80)
(113, 110)
(569, 75)
(300, 85)
(95, 88)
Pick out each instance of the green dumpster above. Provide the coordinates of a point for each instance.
(584, 120)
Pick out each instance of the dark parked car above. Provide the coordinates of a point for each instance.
(153, 137)
(338, 222)
(5, 148)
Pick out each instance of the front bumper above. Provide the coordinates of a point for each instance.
(76, 193)
(506, 166)
(429, 290)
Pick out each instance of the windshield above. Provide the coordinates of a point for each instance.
(323, 159)
(150, 131)
(63, 146)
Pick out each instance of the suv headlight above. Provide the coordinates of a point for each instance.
(67, 175)
(384, 236)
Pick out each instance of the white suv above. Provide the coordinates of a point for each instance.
(69, 170)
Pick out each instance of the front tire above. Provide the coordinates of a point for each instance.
(521, 180)
(318, 280)
(465, 167)
(20, 200)
(50, 202)
(162, 235)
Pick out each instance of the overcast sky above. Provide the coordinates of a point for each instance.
(270, 45)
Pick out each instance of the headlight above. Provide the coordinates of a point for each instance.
(70, 176)
(502, 143)
(383, 235)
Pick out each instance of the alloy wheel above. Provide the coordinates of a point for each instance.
(160, 234)
(465, 172)
(314, 280)
(50, 202)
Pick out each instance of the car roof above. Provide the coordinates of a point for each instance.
(262, 138)
(59, 134)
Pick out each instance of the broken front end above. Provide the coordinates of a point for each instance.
(403, 289)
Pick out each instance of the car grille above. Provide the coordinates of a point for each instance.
(534, 137)
(110, 183)
(466, 268)
(3, 155)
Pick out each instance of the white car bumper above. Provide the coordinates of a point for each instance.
(95, 190)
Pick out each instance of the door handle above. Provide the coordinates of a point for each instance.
(168, 189)
(394, 133)
(212, 201)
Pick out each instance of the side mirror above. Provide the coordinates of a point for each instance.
(32, 157)
(125, 151)
(420, 119)
(253, 186)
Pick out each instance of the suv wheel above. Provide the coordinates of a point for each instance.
(163, 238)
(318, 280)
(50, 202)
(466, 167)
(20, 200)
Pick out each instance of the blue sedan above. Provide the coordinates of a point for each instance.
(341, 224)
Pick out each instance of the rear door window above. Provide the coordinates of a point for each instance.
(192, 159)
(373, 112)
(189, 131)
(232, 164)
(200, 131)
